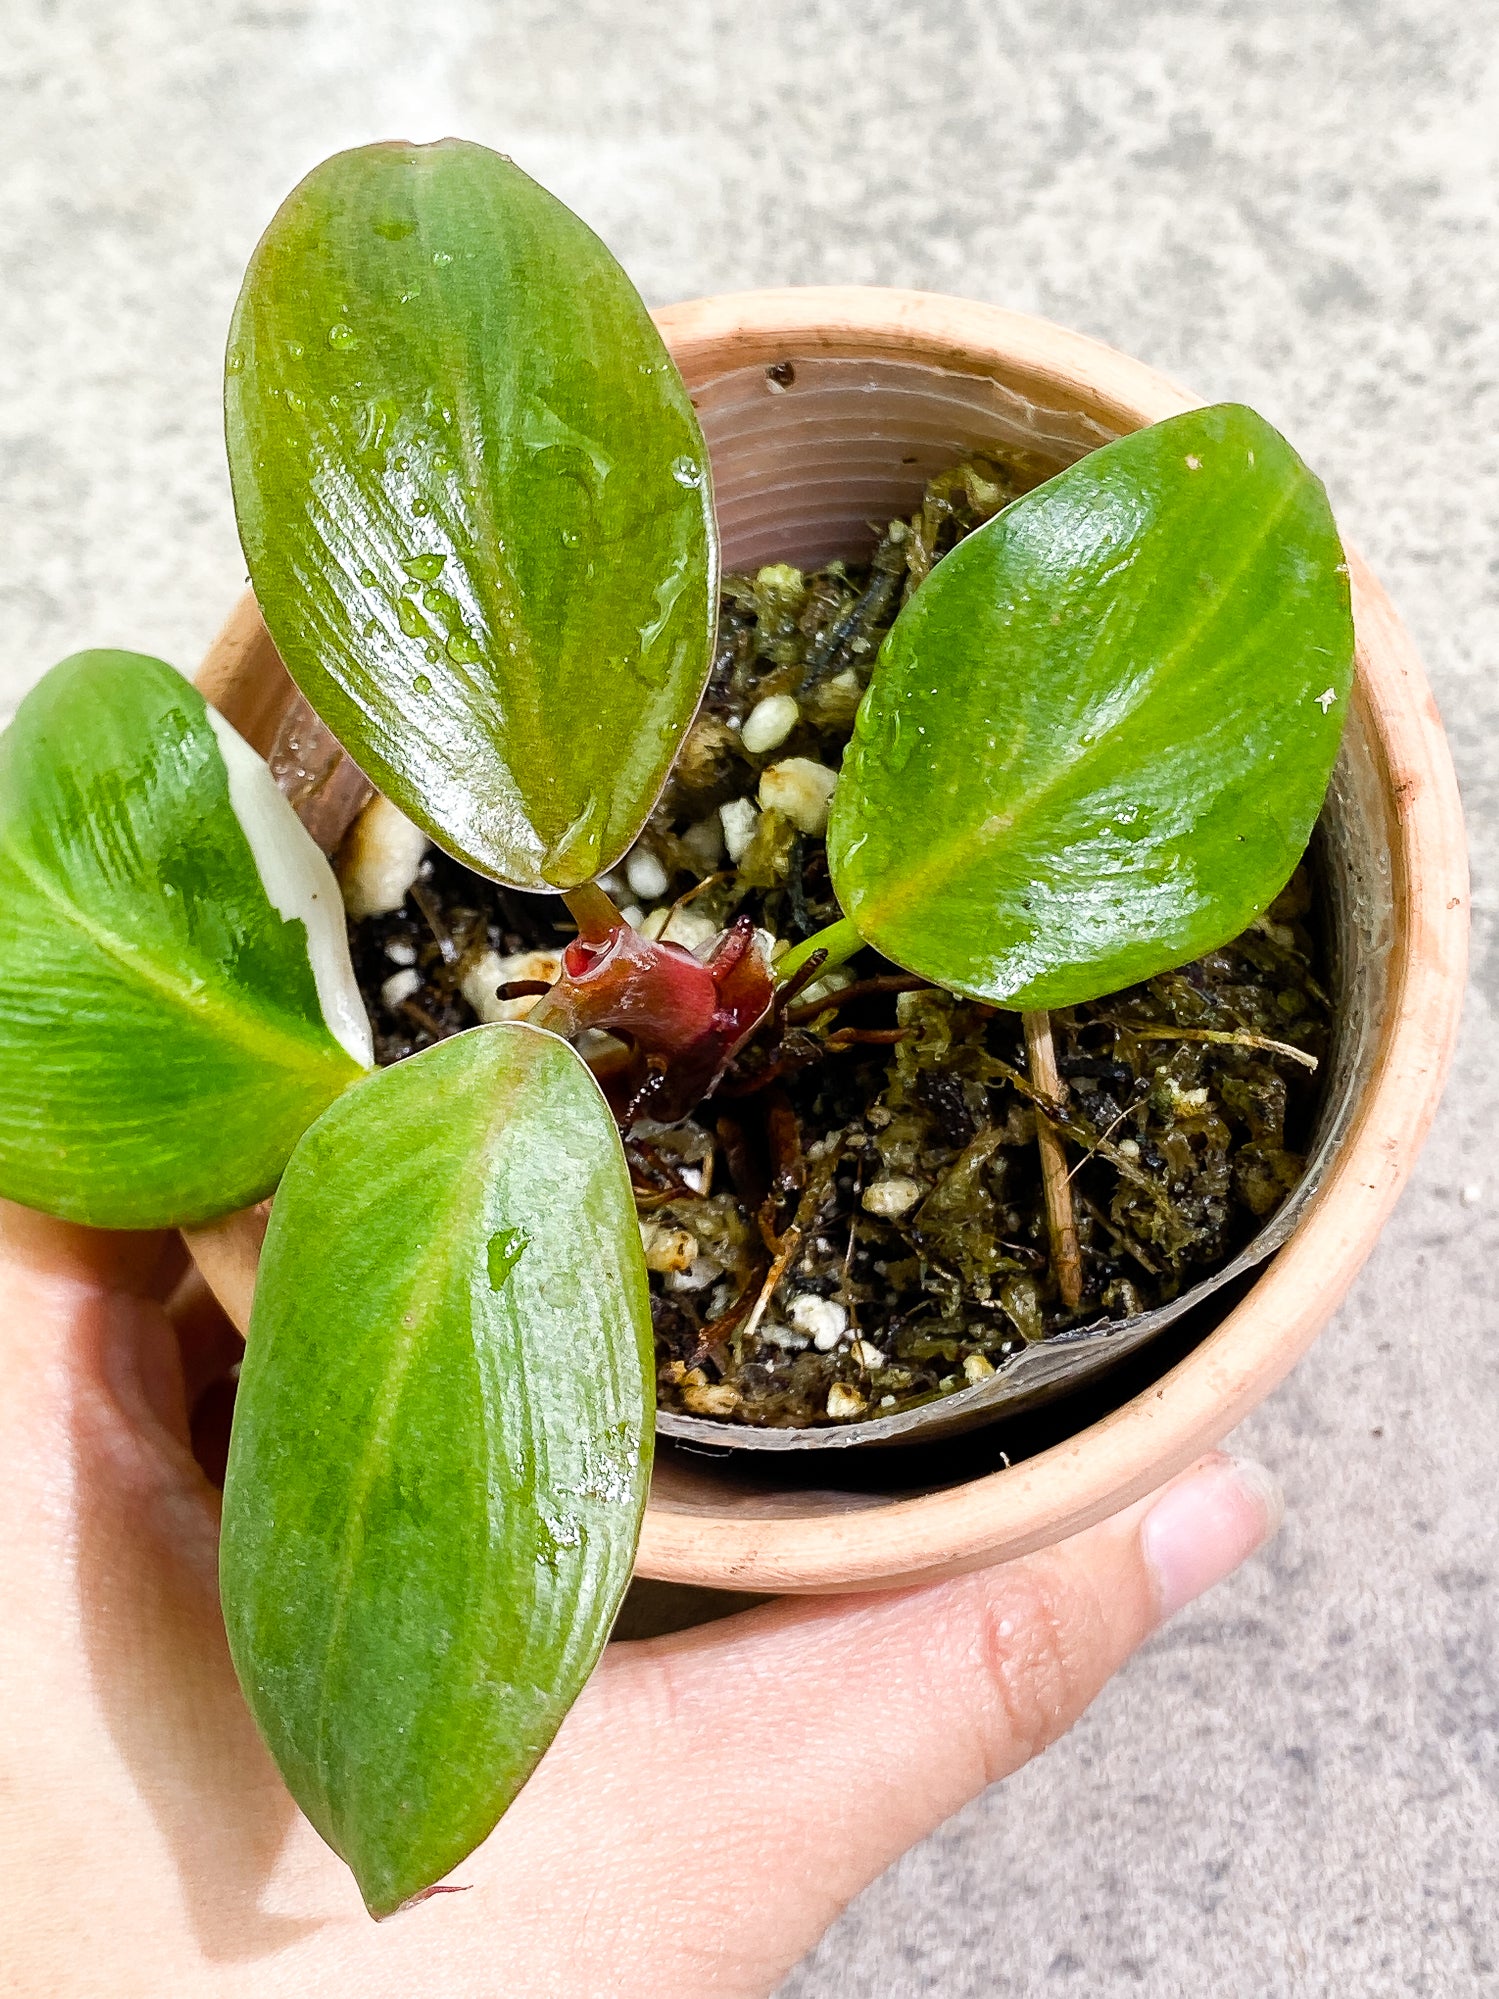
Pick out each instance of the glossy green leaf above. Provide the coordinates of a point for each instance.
(1098, 737)
(475, 503)
(441, 1445)
(177, 1003)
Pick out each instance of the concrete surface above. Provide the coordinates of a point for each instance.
(1293, 1791)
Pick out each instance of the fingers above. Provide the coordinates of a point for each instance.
(58, 1275)
(36, 1248)
(808, 1745)
(91, 1371)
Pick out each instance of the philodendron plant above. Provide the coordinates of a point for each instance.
(477, 512)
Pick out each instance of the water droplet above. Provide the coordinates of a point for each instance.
(895, 752)
(401, 464)
(368, 578)
(579, 459)
(407, 297)
(464, 648)
(420, 508)
(570, 537)
(424, 568)
(410, 619)
(433, 654)
(574, 856)
(506, 1248)
(668, 590)
(395, 228)
(380, 420)
(234, 363)
(442, 256)
(687, 472)
(294, 349)
(422, 683)
(342, 336)
(371, 628)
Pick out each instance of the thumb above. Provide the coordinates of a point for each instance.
(125, 1734)
(819, 1740)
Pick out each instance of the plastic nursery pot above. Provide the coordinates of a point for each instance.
(828, 409)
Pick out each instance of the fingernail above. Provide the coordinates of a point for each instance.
(1206, 1525)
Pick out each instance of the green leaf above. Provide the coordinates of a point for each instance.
(177, 1003)
(441, 1445)
(1098, 737)
(475, 503)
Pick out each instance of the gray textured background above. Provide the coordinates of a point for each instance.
(1293, 1791)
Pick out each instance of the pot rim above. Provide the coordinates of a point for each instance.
(1159, 1432)
(1123, 1456)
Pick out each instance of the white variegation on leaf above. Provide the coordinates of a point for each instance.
(177, 1003)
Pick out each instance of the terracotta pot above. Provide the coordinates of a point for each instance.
(826, 410)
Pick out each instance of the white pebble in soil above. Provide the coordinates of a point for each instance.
(401, 951)
(769, 723)
(784, 1337)
(738, 819)
(823, 1320)
(703, 1272)
(888, 1198)
(379, 860)
(399, 986)
(647, 878)
(482, 980)
(866, 1354)
(845, 1402)
(689, 928)
(801, 790)
(667, 1249)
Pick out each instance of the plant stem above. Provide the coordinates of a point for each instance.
(840, 940)
(592, 911)
(1041, 1058)
(1224, 1037)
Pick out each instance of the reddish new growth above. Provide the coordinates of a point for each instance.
(685, 1018)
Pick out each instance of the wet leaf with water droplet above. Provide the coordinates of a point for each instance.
(506, 1248)
(410, 619)
(441, 1446)
(1092, 748)
(530, 419)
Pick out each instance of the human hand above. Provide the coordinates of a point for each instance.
(712, 1802)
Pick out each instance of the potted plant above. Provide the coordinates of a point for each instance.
(477, 509)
